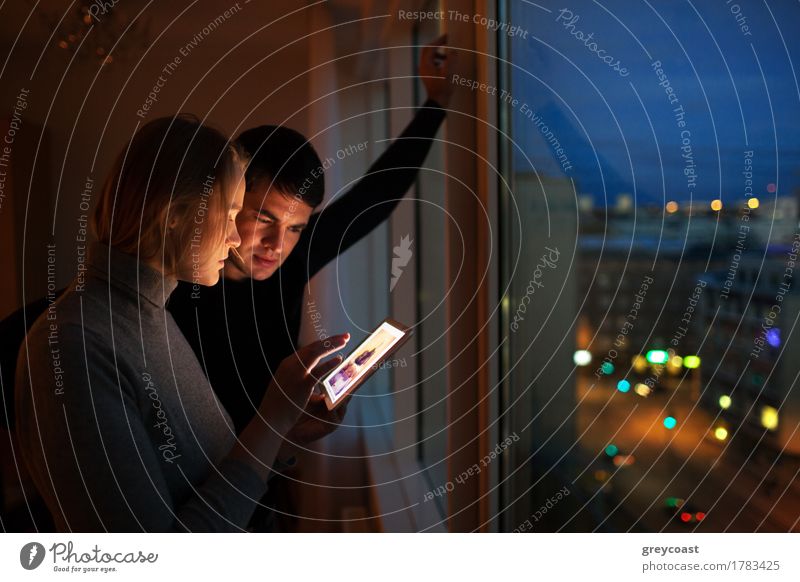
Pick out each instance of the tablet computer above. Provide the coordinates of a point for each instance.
(363, 361)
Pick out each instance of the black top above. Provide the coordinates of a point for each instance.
(242, 330)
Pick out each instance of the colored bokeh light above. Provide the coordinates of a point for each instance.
(774, 337)
(769, 417)
(639, 363)
(582, 358)
(657, 356)
(691, 362)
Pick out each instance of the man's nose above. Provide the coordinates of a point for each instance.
(274, 240)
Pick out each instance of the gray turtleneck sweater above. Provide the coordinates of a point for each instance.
(116, 421)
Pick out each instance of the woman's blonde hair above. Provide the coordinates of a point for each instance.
(177, 171)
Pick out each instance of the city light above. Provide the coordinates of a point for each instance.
(716, 205)
(607, 368)
(657, 356)
(725, 402)
(769, 417)
(612, 450)
(624, 460)
(674, 365)
(691, 362)
(642, 390)
(623, 385)
(721, 433)
(672, 206)
(639, 363)
(670, 422)
(686, 517)
(753, 203)
(771, 188)
(774, 337)
(675, 502)
(582, 357)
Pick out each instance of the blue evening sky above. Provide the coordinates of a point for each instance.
(713, 67)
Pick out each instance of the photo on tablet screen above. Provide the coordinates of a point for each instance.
(364, 357)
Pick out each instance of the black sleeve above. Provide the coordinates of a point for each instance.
(374, 197)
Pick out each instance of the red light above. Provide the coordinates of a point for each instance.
(686, 517)
(699, 515)
(771, 188)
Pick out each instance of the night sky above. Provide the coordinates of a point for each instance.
(613, 138)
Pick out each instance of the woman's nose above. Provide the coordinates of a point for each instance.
(234, 240)
(273, 241)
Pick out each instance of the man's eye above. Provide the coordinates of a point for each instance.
(297, 229)
(264, 220)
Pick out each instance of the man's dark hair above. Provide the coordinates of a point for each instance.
(285, 159)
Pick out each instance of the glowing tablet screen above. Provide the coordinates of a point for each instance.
(361, 361)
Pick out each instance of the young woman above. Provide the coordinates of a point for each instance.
(115, 418)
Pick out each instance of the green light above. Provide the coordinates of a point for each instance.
(612, 450)
(670, 422)
(657, 357)
(673, 502)
(691, 362)
(758, 379)
(623, 385)
(607, 368)
(725, 401)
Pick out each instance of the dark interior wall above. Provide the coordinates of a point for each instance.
(89, 111)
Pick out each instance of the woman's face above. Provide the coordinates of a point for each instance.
(202, 265)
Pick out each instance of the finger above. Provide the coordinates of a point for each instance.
(317, 397)
(434, 50)
(439, 42)
(449, 59)
(311, 354)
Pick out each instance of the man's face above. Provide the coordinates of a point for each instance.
(270, 224)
